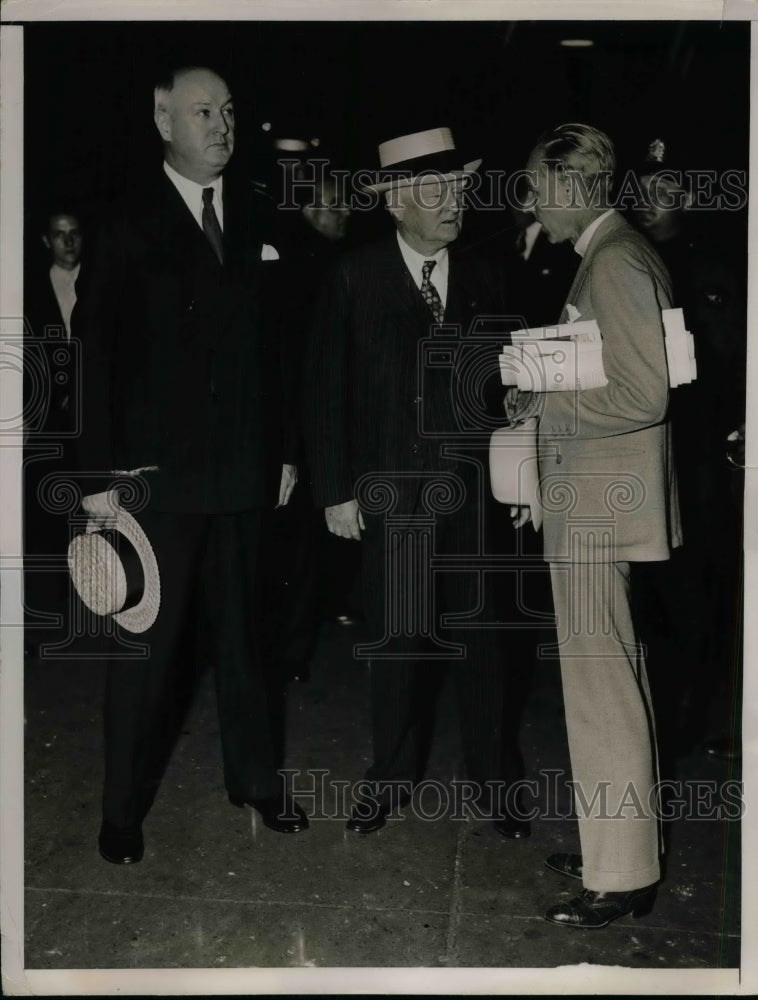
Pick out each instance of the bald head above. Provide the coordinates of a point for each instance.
(195, 118)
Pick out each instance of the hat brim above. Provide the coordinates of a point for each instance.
(428, 176)
(84, 573)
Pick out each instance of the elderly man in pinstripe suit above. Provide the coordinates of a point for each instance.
(375, 423)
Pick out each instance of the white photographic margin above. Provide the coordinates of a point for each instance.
(135, 982)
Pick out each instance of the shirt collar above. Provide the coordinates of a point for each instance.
(62, 274)
(192, 192)
(584, 240)
(415, 261)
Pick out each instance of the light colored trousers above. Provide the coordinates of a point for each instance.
(610, 725)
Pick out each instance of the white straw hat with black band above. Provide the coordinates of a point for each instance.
(114, 570)
(408, 158)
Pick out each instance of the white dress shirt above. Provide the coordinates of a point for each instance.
(584, 240)
(414, 261)
(63, 283)
(192, 193)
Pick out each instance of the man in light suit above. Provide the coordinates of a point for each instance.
(609, 499)
(376, 417)
(182, 381)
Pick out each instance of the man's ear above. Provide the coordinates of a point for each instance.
(46, 241)
(393, 204)
(163, 123)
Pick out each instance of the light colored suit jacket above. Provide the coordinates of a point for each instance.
(606, 469)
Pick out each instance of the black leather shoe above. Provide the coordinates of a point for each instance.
(591, 909)
(370, 814)
(120, 845)
(565, 864)
(513, 829)
(346, 621)
(281, 814)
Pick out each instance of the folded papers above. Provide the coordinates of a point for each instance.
(570, 356)
(550, 359)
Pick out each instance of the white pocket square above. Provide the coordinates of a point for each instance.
(573, 312)
(268, 252)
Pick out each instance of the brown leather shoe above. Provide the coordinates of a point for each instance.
(591, 910)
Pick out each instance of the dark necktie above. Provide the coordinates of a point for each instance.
(430, 293)
(211, 228)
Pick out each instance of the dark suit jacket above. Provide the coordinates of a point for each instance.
(376, 398)
(181, 359)
(50, 375)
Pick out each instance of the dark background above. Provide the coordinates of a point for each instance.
(88, 91)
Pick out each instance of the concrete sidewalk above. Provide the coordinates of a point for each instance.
(217, 890)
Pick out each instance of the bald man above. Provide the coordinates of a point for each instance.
(182, 378)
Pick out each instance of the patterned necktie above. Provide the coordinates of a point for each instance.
(430, 293)
(211, 228)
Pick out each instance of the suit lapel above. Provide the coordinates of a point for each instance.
(242, 243)
(174, 227)
(614, 221)
(403, 299)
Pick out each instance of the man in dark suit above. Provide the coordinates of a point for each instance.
(181, 383)
(377, 418)
(687, 605)
(308, 571)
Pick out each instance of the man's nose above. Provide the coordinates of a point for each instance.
(222, 125)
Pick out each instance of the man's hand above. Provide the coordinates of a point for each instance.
(520, 406)
(345, 520)
(520, 515)
(287, 484)
(102, 507)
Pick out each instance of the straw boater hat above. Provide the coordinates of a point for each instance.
(115, 572)
(408, 157)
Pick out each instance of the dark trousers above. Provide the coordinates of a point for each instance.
(207, 566)
(401, 690)
(307, 574)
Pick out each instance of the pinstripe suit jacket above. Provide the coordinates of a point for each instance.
(606, 468)
(372, 403)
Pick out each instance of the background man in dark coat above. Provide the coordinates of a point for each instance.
(49, 391)
(180, 378)
(376, 419)
(309, 572)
